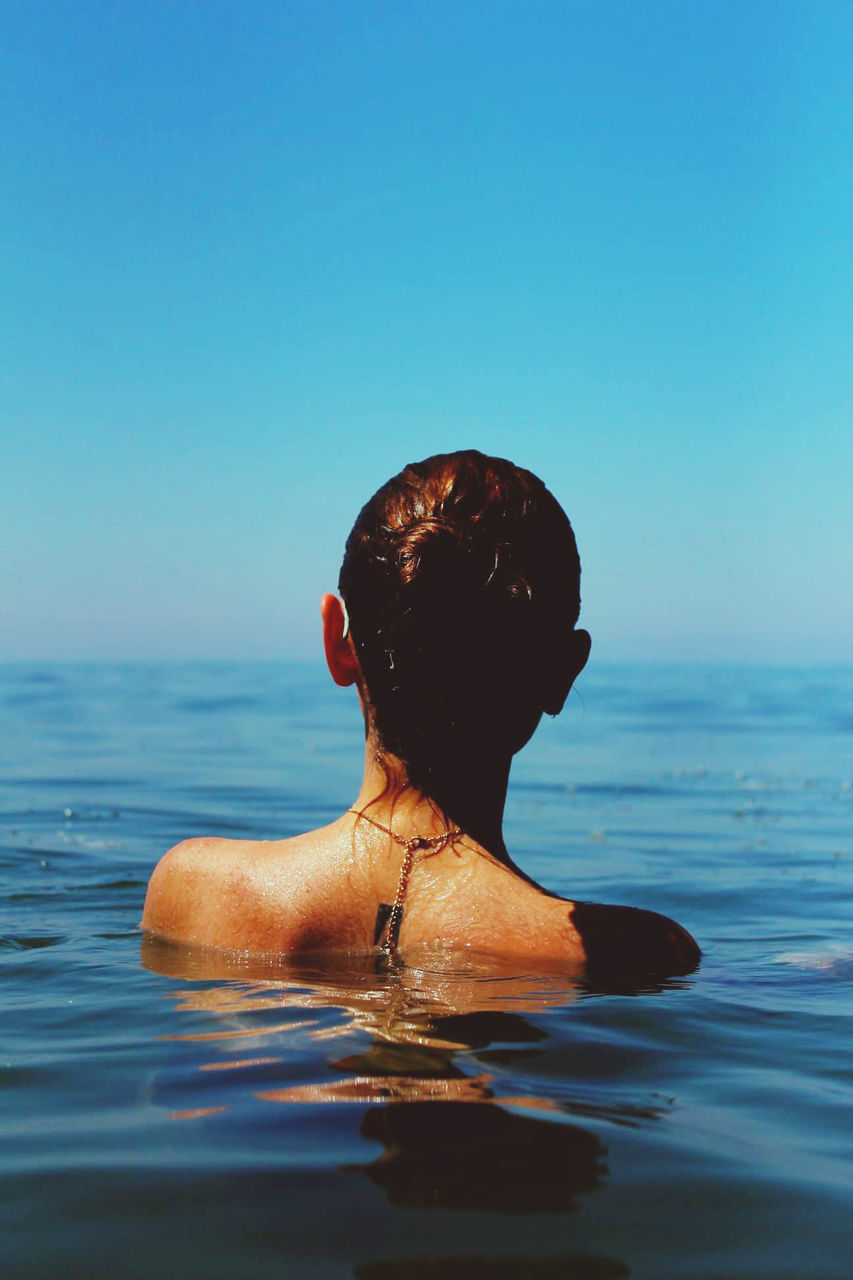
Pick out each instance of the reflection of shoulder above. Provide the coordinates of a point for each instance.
(629, 940)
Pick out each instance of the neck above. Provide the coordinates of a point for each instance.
(468, 794)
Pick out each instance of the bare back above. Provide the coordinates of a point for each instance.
(320, 891)
(324, 892)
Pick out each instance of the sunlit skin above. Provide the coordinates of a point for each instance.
(320, 890)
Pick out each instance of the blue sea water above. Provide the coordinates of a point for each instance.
(191, 1114)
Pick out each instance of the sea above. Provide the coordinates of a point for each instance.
(166, 1111)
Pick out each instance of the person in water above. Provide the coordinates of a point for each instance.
(456, 622)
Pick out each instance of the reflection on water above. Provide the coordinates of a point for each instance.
(567, 1267)
(471, 1156)
(449, 1138)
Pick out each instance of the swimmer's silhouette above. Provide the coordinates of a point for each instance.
(457, 623)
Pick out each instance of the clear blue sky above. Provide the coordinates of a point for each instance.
(257, 256)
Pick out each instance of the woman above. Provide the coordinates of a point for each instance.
(460, 591)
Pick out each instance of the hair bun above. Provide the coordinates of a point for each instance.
(426, 548)
(437, 554)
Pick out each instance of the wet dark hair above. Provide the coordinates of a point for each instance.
(461, 578)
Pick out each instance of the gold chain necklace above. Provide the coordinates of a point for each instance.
(390, 915)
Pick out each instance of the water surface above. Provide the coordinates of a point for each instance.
(205, 1116)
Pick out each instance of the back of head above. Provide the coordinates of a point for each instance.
(461, 579)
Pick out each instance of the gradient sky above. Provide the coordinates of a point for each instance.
(257, 256)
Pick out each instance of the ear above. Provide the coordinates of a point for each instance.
(580, 643)
(340, 655)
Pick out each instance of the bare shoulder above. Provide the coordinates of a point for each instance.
(231, 894)
(181, 885)
(630, 940)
